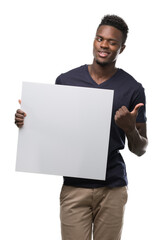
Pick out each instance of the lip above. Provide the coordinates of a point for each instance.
(103, 54)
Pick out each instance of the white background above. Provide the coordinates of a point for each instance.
(38, 41)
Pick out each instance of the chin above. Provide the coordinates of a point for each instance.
(103, 64)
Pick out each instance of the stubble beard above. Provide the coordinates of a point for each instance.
(102, 64)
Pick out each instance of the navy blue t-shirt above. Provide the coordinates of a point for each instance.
(127, 92)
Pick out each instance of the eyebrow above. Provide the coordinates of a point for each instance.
(110, 39)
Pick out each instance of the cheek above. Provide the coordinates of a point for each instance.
(94, 50)
(115, 52)
(96, 45)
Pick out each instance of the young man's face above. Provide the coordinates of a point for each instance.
(108, 44)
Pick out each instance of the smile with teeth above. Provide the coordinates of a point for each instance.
(103, 54)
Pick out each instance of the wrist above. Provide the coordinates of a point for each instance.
(131, 132)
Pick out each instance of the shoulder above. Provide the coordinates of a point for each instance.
(71, 74)
(75, 70)
(129, 83)
(129, 79)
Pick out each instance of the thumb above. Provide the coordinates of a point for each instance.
(136, 108)
(20, 104)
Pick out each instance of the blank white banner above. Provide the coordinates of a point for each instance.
(66, 130)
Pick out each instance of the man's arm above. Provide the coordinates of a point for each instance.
(137, 139)
(135, 132)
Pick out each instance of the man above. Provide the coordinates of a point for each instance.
(94, 204)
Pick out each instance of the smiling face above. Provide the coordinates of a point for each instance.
(108, 44)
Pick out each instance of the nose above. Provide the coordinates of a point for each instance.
(104, 44)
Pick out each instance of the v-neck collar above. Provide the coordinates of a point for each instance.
(103, 83)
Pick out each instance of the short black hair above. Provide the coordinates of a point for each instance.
(117, 22)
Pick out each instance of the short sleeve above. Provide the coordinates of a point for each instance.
(139, 97)
(58, 80)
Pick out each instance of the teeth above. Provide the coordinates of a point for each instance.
(104, 54)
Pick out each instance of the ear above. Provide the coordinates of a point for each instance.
(122, 48)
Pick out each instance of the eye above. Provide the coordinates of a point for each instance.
(112, 43)
(99, 39)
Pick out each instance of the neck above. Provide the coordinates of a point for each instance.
(101, 73)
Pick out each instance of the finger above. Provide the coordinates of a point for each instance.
(115, 117)
(125, 109)
(138, 106)
(19, 125)
(21, 112)
(17, 115)
(135, 111)
(19, 120)
(19, 101)
(122, 111)
(117, 114)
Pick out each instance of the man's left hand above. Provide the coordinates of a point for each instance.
(125, 119)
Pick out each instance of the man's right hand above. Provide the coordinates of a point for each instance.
(19, 117)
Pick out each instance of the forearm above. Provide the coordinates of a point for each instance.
(136, 143)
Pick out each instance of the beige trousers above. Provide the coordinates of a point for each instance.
(85, 211)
